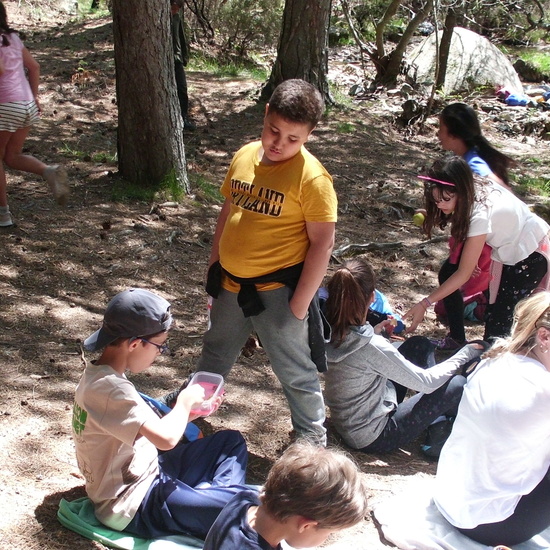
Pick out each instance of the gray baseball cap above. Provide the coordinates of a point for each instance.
(132, 313)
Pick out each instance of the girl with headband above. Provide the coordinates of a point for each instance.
(460, 132)
(480, 211)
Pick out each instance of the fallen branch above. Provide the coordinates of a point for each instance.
(358, 248)
(355, 248)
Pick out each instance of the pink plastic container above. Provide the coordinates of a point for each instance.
(213, 387)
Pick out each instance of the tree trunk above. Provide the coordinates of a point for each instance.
(150, 127)
(395, 58)
(303, 46)
(445, 47)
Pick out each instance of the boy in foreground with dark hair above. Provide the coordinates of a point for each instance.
(117, 435)
(310, 493)
(270, 252)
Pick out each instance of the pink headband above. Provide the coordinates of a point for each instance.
(437, 181)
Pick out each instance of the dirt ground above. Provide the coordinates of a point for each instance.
(58, 268)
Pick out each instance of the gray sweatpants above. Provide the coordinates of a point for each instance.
(285, 340)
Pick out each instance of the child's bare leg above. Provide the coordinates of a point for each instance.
(14, 157)
(4, 138)
(3, 187)
(56, 176)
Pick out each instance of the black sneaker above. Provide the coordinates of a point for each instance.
(170, 398)
(189, 125)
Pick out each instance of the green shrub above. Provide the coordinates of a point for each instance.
(248, 24)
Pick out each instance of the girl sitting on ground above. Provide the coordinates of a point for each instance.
(481, 211)
(493, 478)
(367, 377)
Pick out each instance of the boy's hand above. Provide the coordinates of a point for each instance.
(213, 406)
(191, 395)
(299, 311)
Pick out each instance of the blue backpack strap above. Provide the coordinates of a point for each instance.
(161, 407)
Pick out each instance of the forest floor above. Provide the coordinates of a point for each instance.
(59, 267)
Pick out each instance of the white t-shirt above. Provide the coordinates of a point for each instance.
(118, 464)
(499, 448)
(513, 231)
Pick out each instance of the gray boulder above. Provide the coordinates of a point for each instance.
(473, 61)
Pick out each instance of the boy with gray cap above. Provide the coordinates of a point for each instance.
(117, 435)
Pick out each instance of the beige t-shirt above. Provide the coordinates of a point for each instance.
(118, 464)
(270, 204)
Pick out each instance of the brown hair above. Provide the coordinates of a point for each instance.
(297, 101)
(349, 293)
(454, 170)
(317, 483)
(5, 29)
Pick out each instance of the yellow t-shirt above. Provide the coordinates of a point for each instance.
(270, 204)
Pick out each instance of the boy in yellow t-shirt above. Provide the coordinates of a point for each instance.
(271, 248)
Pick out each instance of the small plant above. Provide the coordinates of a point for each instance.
(231, 68)
(538, 59)
(341, 96)
(538, 185)
(205, 190)
(345, 128)
(126, 191)
(100, 157)
(171, 187)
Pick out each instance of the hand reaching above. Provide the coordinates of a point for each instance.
(416, 315)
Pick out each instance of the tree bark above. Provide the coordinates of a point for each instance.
(303, 46)
(395, 58)
(445, 47)
(150, 127)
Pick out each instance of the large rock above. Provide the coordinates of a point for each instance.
(473, 61)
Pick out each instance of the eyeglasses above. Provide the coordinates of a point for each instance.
(163, 348)
(442, 199)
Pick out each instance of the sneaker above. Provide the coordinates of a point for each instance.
(448, 344)
(189, 125)
(56, 176)
(170, 398)
(5, 220)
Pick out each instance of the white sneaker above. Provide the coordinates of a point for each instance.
(5, 219)
(57, 179)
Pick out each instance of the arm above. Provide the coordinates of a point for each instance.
(386, 360)
(468, 261)
(2, 66)
(33, 69)
(321, 242)
(222, 218)
(166, 432)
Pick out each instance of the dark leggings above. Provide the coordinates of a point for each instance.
(531, 516)
(517, 282)
(412, 416)
(454, 303)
